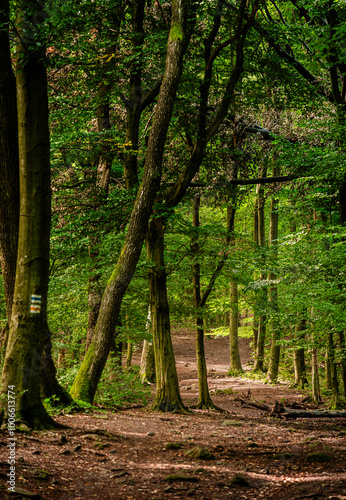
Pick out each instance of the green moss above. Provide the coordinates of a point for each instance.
(176, 33)
(173, 446)
(80, 389)
(199, 452)
(239, 481)
(180, 477)
(317, 457)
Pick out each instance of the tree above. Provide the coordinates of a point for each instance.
(29, 329)
(85, 384)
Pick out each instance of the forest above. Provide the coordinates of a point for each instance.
(173, 174)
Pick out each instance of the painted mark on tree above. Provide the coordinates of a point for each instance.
(35, 307)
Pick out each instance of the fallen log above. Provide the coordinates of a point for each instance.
(279, 411)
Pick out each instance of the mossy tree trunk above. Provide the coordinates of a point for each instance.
(28, 329)
(167, 385)
(85, 384)
(274, 356)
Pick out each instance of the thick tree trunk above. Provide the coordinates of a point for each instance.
(85, 384)
(167, 384)
(28, 329)
(274, 357)
(9, 163)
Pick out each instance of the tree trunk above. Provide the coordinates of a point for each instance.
(256, 242)
(316, 391)
(335, 400)
(328, 370)
(9, 163)
(147, 371)
(262, 319)
(343, 361)
(274, 357)
(300, 379)
(235, 363)
(28, 329)
(85, 384)
(167, 384)
(204, 399)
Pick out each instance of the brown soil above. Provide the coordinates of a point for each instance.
(123, 455)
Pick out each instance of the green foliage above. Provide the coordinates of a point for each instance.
(121, 388)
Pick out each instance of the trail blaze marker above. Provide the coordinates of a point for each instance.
(35, 307)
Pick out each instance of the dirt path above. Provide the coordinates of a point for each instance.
(125, 455)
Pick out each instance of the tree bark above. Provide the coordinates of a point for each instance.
(85, 384)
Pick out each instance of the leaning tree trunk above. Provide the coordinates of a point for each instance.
(85, 384)
(28, 329)
(167, 385)
(274, 357)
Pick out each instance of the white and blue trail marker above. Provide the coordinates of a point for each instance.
(35, 306)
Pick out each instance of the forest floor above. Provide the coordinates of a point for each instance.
(125, 454)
